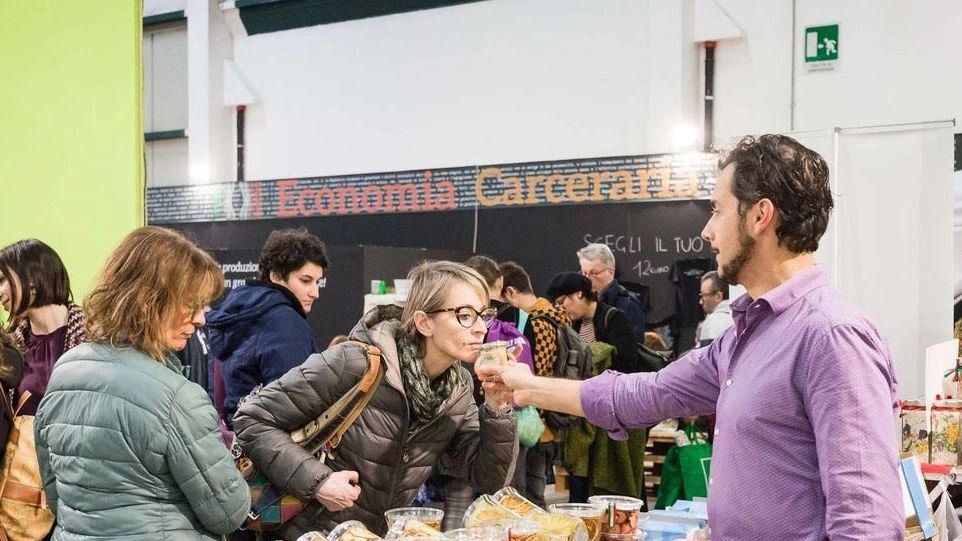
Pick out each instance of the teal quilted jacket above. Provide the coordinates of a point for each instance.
(129, 450)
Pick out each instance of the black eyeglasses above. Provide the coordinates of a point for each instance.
(596, 273)
(467, 315)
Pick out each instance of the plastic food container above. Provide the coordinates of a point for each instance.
(481, 533)
(515, 502)
(592, 515)
(351, 530)
(484, 511)
(522, 530)
(312, 536)
(557, 527)
(408, 527)
(637, 536)
(427, 515)
(622, 514)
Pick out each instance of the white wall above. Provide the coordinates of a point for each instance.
(518, 80)
(156, 7)
(897, 63)
(889, 245)
(497, 81)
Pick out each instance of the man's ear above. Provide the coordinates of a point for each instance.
(276, 277)
(509, 292)
(762, 216)
(423, 323)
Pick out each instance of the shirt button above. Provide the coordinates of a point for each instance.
(728, 382)
(711, 481)
(716, 431)
(406, 456)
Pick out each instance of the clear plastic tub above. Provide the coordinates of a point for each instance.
(515, 502)
(351, 530)
(522, 530)
(480, 533)
(637, 536)
(592, 515)
(484, 511)
(623, 514)
(312, 536)
(427, 515)
(553, 525)
(407, 527)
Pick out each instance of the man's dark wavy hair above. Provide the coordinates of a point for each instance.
(793, 177)
(287, 250)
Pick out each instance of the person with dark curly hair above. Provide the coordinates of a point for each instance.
(260, 331)
(803, 384)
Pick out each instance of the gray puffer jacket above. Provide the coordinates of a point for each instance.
(391, 463)
(129, 450)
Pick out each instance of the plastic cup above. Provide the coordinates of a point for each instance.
(492, 353)
(427, 516)
(592, 515)
(622, 514)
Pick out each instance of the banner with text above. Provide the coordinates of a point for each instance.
(563, 182)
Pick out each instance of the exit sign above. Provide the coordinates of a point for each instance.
(821, 48)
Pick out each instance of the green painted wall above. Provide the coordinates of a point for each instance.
(71, 141)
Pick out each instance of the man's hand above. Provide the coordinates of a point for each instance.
(338, 491)
(514, 378)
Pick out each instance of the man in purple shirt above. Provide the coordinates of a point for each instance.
(803, 384)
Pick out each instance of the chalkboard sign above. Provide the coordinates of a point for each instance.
(647, 238)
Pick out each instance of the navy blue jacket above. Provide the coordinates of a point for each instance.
(617, 296)
(259, 333)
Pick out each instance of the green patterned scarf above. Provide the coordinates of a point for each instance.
(424, 396)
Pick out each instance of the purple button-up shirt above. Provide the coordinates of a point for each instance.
(804, 390)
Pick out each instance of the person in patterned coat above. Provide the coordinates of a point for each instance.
(530, 474)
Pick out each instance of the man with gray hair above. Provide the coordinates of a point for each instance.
(598, 264)
(718, 312)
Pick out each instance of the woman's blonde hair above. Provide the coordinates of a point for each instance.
(146, 285)
(432, 280)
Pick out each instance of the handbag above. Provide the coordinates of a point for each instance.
(24, 514)
(271, 508)
(530, 426)
(684, 474)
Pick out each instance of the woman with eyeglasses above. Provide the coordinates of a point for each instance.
(128, 447)
(422, 412)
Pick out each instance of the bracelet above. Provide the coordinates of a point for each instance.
(504, 411)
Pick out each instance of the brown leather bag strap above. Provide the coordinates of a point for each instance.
(326, 430)
(24, 396)
(367, 385)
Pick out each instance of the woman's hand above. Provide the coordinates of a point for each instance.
(338, 491)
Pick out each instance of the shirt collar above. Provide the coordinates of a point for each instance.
(785, 294)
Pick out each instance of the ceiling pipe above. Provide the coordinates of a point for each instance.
(709, 125)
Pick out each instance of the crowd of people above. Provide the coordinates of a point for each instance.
(130, 446)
